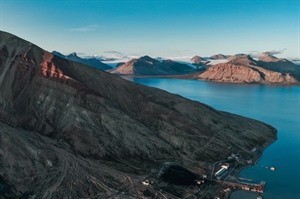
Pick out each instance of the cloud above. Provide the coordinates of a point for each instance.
(255, 53)
(112, 52)
(87, 28)
(276, 52)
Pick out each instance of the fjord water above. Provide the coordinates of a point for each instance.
(275, 105)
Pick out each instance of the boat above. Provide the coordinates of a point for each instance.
(272, 168)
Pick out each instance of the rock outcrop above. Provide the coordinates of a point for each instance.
(70, 131)
(243, 69)
(147, 66)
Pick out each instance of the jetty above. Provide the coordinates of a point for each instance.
(246, 186)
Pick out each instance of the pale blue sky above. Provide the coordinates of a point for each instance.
(156, 27)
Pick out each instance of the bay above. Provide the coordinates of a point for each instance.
(275, 105)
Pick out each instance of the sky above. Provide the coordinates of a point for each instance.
(165, 28)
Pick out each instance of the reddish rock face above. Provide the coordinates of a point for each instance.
(49, 70)
(244, 69)
(68, 130)
(146, 66)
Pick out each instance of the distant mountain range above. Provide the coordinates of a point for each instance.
(244, 69)
(239, 68)
(91, 61)
(147, 66)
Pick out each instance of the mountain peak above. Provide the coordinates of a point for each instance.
(218, 56)
(148, 66)
(73, 54)
(91, 61)
(242, 59)
(147, 58)
(197, 59)
(268, 57)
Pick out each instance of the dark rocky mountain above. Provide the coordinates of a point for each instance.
(218, 56)
(244, 69)
(68, 130)
(296, 62)
(94, 62)
(147, 66)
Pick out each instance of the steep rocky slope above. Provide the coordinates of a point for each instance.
(93, 62)
(243, 69)
(70, 131)
(147, 66)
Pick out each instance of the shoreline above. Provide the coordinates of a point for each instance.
(256, 159)
(217, 188)
(187, 77)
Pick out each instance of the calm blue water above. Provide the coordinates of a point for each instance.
(278, 106)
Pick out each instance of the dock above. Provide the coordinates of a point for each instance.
(221, 171)
(246, 186)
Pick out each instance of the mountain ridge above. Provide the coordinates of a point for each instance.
(91, 61)
(244, 69)
(69, 130)
(147, 66)
(232, 69)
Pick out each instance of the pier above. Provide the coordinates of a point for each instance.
(259, 188)
(221, 171)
